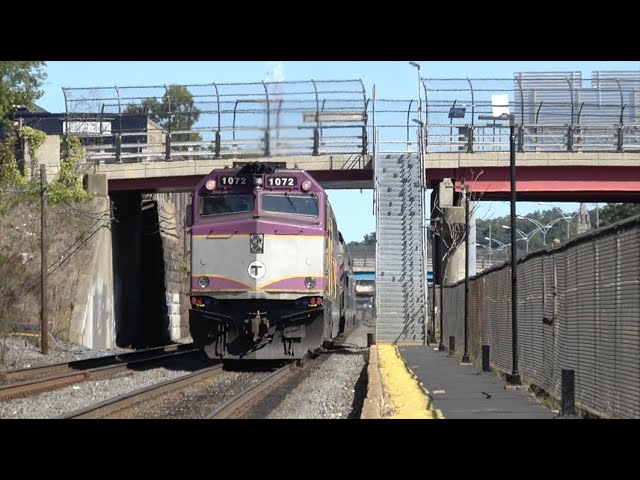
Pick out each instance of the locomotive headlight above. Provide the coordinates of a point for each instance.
(306, 185)
(203, 282)
(310, 282)
(256, 243)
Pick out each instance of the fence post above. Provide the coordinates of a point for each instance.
(470, 140)
(570, 138)
(316, 142)
(118, 147)
(568, 407)
(620, 138)
(364, 140)
(267, 146)
(167, 143)
(452, 344)
(485, 358)
(520, 138)
(217, 144)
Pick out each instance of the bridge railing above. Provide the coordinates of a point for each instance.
(534, 138)
(552, 112)
(170, 122)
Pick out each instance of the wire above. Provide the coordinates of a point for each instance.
(90, 214)
(19, 190)
(80, 351)
(68, 253)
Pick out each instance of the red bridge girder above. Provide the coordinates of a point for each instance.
(564, 183)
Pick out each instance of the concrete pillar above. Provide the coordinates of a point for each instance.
(92, 317)
(450, 206)
(96, 183)
(49, 154)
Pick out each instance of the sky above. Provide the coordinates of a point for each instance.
(392, 79)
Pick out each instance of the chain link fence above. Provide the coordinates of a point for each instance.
(578, 308)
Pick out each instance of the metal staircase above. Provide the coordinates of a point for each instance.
(400, 282)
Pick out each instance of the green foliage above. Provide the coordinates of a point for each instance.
(174, 112)
(34, 140)
(20, 84)
(184, 266)
(10, 175)
(68, 186)
(614, 212)
(369, 239)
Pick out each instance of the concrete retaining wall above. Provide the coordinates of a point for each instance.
(92, 317)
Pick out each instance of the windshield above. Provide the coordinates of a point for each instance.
(225, 204)
(292, 204)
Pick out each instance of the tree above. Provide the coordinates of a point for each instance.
(369, 238)
(174, 111)
(20, 84)
(614, 212)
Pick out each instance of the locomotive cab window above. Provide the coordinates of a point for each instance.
(306, 205)
(226, 204)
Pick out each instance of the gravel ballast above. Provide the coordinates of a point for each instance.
(333, 390)
(329, 391)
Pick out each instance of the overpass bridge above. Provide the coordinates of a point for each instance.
(574, 142)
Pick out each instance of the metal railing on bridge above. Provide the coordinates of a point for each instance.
(170, 122)
(553, 113)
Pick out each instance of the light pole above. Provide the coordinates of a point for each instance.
(514, 378)
(543, 228)
(465, 355)
(438, 222)
(566, 218)
(421, 124)
(423, 186)
(524, 236)
(501, 246)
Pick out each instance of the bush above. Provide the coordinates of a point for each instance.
(68, 186)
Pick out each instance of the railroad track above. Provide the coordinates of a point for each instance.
(232, 408)
(25, 382)
(242, 402)
(108, 407)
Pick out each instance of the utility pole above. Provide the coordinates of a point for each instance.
(514, 378)
(465, 356)
(44, 325)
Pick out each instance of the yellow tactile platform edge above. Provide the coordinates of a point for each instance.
(408, 397)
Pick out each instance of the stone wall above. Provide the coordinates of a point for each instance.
(176, 268)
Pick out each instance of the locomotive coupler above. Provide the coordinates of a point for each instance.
(259, 325)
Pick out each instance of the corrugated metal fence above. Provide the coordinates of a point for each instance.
(578, 308)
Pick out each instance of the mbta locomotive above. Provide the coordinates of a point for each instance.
(270, 274)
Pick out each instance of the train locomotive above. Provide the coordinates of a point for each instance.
(271, 278)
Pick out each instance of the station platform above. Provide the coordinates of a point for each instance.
(416, 381)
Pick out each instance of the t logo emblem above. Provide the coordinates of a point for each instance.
(257, 269)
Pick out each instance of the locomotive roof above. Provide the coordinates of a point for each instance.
(258, 169)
